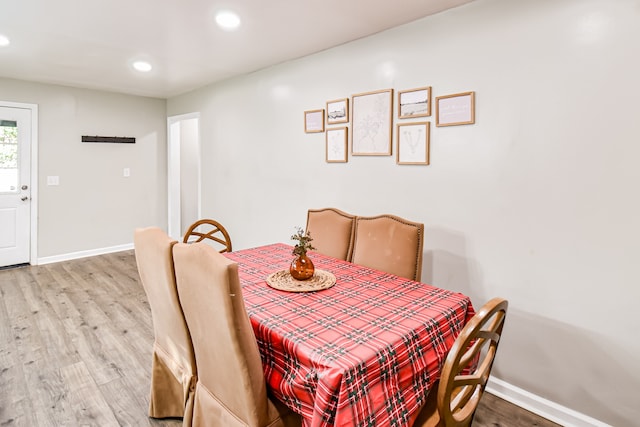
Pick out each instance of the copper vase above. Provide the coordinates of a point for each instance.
(302, 268)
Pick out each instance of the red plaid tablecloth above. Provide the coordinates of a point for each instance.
(362, 353)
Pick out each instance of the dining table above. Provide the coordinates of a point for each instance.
(364, 352)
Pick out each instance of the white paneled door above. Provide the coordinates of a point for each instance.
(15, 185)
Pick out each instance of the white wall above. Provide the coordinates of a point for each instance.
(95, 206)
(537, 202)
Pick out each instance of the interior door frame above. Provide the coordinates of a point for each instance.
(174, 188)
(33, 233)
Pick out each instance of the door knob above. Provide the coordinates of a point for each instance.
(24, 198)
(25, 187)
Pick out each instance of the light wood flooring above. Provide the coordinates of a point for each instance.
(75, 348)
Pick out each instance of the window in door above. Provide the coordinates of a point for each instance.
(8, 156)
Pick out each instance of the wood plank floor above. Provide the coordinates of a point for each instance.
(75, 348)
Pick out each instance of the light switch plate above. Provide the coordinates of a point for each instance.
(53, 180)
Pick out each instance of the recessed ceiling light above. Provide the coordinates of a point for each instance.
(4, 40)
(142, 66)
(227, 20)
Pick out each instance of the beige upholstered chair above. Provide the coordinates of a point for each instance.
(332, 231)
(462, 381)
(211, 230)
(231, 389)
(389, 243)
(173, 369)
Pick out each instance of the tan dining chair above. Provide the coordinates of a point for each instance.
(212, 231)
(389, 243)
(466, 370)
(332, 231)
(231, 389)
(173, 365)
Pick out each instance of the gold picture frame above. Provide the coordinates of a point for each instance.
(414, 103)
(456, 109)
(336, 147)
(372, 123)
(413, 143)
(314, 121)
(338, 111)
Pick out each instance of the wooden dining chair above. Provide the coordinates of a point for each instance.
(332, 231)
(389, 243)
(466, 370)
(173, 365)
(211, 230)
(231, 388)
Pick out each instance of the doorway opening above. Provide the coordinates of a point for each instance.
(183, 161)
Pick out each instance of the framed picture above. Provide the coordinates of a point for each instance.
(456, 109)
(338, 111)
(314, 121)
(371, 118)
(414, 103)
(413, 143)
(337, 145)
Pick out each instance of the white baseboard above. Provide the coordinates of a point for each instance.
(84, 254)
(540, 406)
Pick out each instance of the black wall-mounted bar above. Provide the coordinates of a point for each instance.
(113, 139)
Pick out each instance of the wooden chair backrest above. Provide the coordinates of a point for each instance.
(468, 365)
(211, 230)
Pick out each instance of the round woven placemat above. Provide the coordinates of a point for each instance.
(283, 281)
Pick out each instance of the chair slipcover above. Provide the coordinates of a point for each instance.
(389, 243)
(231, 388)
(173, 371)
(332, 231)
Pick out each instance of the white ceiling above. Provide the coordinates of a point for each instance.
(91, 43)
